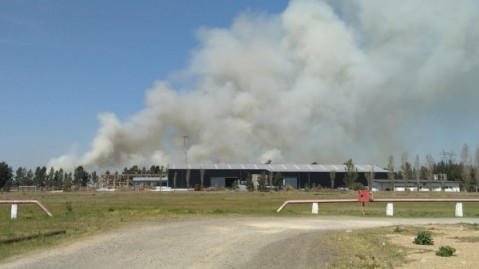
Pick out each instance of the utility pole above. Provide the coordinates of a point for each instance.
(185, 142)
(448, 157)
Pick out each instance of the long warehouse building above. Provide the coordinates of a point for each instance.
(294, 175)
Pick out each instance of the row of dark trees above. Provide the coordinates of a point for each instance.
(52, 179)
(466, 171)
(59, 179)
(466, 174)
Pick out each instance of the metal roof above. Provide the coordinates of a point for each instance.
(399, 181)
(277, 167)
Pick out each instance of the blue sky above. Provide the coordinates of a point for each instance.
(63, 62)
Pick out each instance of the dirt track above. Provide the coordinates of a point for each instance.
(208, 243)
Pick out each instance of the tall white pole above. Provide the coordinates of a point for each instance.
(185, 141)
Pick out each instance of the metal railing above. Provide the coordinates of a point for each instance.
(22, 202)
(366, 196)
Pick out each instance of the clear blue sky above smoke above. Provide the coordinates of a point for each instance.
(247, 80)
(63, 62)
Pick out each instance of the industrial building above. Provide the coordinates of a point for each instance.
(415, 185)
(297, 176)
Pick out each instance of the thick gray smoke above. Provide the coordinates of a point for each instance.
(319, 82)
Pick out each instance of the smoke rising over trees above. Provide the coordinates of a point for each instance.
(321, 81)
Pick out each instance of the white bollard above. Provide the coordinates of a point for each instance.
(315, 208)
(390, 210)
(13, 212)
(459, 210)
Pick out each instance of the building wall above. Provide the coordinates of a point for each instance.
(304, 179)
(448, 186)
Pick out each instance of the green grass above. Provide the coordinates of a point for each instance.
(86, 213)
(364, 248)
(368, 248)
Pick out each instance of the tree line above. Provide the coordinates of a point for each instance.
(466, 171)
(52, 179)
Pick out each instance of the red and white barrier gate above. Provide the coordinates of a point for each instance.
(15, 204)
(365, 196)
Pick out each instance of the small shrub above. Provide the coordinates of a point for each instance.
(399, 229)
(235, 185)
(368, 261)
(358, 186)
(262, 184)
(218, 211)
(69, 207)
(424, 238)
(445, 251)
(249, 183)
(67, 186)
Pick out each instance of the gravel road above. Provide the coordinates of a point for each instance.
(274, 242)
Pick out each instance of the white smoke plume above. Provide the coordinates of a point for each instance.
(320, 82)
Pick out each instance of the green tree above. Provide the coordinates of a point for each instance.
(277, 180)
(262, 182)
(370, 178)
(29, 178)
(406, 170)
(94, 177)
(429, 170)
(202, 177)
(81, 177)
(235, 185)
(453, 171)
(417, 172)
(391, 174)
(67, 182)
(155, 169)
(50, 178)
(351, 173)
(249, 183)
(188, 173)
(40, 176)
(332, 178)
(133, 170)
(6, 175)
(58, 179)
(21, 176)
(466, 168)
(476, 169)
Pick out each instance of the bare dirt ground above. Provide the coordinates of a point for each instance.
(460, 237)
(274, 242)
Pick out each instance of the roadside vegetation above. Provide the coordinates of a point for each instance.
(375, 247)
(365, 248)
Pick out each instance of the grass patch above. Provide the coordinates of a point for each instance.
(87, 213)
(467, 239)
(365, 248)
